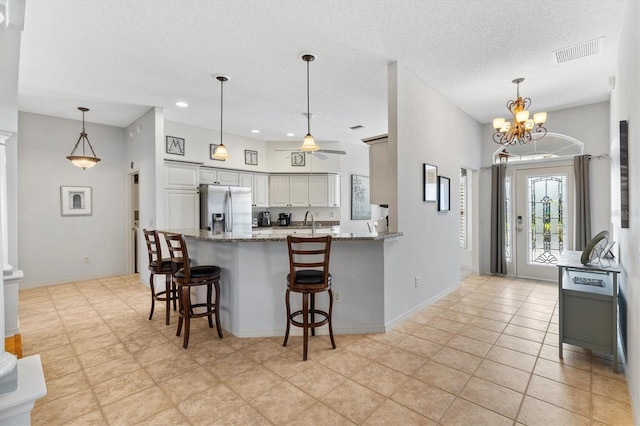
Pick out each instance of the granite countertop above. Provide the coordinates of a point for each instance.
(201, 234)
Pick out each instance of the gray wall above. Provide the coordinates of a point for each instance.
(52, 247)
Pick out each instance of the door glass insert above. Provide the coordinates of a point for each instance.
(546, 214)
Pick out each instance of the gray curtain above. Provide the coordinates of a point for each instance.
(583, 211)
(498, 220)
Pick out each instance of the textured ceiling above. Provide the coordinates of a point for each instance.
(120, 57)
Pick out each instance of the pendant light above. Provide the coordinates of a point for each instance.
(83, 160)
(308, 145)
(220, 152)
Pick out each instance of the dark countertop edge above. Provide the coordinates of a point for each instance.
(206, 236)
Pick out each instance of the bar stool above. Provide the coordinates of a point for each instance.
(160, 266)
(308, 275)
(186, 277)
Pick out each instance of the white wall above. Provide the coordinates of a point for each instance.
(52, 247)
(198, 139)
(424, 127)
(140, 148)
(590, 125)
(625, 105)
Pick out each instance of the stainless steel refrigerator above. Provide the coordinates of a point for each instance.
(225, 209)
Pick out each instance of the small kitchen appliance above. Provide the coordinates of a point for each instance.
(264, 219)
(284, 219)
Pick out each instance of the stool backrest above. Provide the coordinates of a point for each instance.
(309, 254)
(178, 251)
(154, 248)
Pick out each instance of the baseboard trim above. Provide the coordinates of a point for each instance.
(13, 345)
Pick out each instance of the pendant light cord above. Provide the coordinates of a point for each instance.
(221, 109)
(308, 113)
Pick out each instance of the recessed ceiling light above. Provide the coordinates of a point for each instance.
(182, 104)
(255, 131)
(291, 134)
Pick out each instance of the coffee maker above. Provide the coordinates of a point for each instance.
(284, 219)
(264, 219)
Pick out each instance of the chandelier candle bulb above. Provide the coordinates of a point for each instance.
(522, 116)
(498, 123)
(540, 117)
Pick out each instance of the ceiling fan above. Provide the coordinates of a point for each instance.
(319, 153)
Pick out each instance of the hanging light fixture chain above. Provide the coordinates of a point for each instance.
(308, 109)
(221, 109)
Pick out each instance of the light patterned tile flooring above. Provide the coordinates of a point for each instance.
(487, 353)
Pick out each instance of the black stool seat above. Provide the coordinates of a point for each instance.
(187, 276)
(309, 267)
(200, 271)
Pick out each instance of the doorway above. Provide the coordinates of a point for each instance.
(133, 221)
(543, 220)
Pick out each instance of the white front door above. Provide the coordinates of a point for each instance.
(543, 220)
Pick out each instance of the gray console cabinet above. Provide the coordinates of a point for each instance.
(588, 314)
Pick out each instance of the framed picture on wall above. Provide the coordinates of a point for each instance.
(75, 200)
(297, 159)
(624, 174)
(250, 157)
(430, 182)
(444, 194)
(360, 207)
(174, 145)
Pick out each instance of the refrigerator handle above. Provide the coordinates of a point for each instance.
(230, 208)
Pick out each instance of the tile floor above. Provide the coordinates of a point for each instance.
(484, 354)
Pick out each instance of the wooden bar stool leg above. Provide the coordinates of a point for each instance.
(286, 334)
(181, 311)
(305, 324)
(333, 343)
(167, 293)
(313, 313)
(210, 316)
(217, 309)
(186, 303)
(153, 296)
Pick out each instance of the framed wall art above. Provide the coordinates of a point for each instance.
(444, 194)
(297, 159)
(624, 174)
(174, 145)
(430, 182)
(360, 207)
(250, 157)
(75, 200)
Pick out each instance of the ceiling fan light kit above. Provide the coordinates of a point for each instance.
(519, 131)
(220, 153)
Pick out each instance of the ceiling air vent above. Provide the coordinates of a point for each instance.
(359, 126)
(578, 51)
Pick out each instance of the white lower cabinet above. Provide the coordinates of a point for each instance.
(182, 208)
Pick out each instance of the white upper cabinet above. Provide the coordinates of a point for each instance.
(218, 177)
(179, 175)
(379, 190)
(259, 184)
(333, 190)
(318, 190)
(299, 191)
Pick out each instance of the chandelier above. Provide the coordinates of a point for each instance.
(85, 161)
(519, 131)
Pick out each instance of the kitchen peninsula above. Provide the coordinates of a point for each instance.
(254, 270)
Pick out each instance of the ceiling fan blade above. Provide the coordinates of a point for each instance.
(332, 151)
(319, 155)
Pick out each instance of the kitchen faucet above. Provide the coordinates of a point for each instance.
(313, 223)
